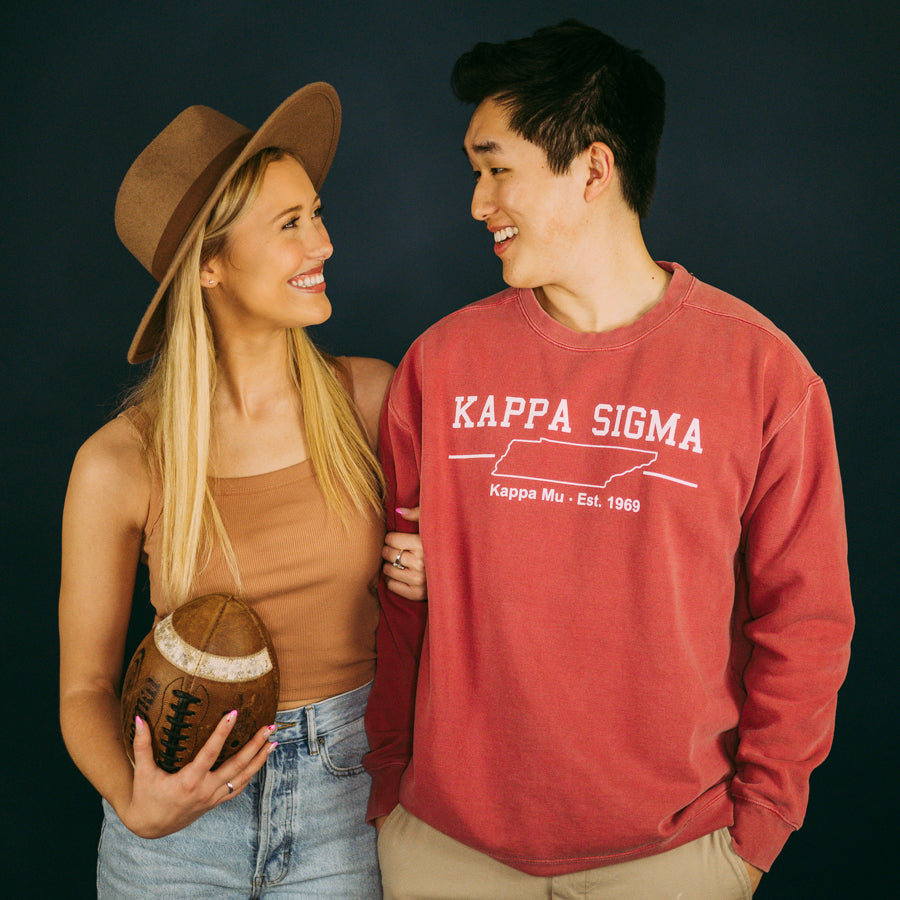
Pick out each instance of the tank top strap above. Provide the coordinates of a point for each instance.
(344, 374)
(139, 421)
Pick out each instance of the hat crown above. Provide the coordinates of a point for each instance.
(169, 182)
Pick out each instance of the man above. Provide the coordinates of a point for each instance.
(639, 611)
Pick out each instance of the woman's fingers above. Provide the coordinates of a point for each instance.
(240, 767)
(404, 560)
(237, 770)
(403, 551)
(411, 515)
(142, 746)
(207, 755)
(416, 592)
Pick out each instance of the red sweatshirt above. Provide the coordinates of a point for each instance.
(639, 611)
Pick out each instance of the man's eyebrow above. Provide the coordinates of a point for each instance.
(483, 147)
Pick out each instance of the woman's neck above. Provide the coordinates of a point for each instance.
(257, 416)
(252, 375)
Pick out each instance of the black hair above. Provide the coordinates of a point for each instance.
(567, 86)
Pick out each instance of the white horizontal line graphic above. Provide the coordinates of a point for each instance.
(670, 478)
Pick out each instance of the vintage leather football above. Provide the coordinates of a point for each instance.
(210, 656)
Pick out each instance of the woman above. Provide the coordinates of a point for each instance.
(244, 463)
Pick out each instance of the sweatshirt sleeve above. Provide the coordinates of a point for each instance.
(798, 623)
(391, 709)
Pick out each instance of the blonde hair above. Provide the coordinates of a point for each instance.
(176, 397)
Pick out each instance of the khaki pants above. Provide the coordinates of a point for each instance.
(419, 863)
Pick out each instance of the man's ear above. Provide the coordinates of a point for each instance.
(601, 166)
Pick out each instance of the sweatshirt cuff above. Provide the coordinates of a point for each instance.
(385, 793)
(758, 833)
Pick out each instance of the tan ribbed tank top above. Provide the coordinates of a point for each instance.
(310, 578)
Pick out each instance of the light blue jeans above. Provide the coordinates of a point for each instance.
(298, 830)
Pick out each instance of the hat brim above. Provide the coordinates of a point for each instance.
(308, 123)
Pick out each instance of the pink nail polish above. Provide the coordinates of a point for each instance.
(139, 723)
(232, 715)
(402, 510)
(272, 746)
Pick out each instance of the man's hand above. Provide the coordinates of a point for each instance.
(755, 875)
(378, 821)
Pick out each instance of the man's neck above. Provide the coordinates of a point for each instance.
(614, 285)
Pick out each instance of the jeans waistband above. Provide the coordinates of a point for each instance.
(307, 723)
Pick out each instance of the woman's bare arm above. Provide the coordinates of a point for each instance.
(103, 522)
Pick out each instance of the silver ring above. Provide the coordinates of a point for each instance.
(230, 787)
(396, 562)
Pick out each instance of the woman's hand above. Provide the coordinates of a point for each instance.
(162, 803)
(404, 568)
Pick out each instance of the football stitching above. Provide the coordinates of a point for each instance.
(174, 737)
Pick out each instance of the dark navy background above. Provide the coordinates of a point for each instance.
(777, 182)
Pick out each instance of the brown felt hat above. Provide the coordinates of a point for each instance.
(173, 185)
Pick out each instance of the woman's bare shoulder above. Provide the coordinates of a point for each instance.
(111, 467)
(371, 378)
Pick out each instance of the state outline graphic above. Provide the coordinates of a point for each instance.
(579, 470)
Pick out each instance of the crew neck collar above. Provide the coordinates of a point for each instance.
(554, 331)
